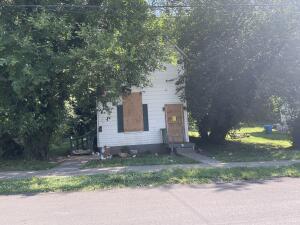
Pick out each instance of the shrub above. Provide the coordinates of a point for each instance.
(9, 148)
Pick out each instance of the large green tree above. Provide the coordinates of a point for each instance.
(54, 53)
(232, 52)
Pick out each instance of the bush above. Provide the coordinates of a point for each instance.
(295, 132)
(9, 148)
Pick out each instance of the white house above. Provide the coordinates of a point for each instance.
(146, 119)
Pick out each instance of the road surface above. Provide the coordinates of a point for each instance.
(261, 203)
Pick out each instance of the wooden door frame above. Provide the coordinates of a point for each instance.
(182, 117)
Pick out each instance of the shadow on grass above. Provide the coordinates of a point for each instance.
(233, 151)
(25, 165)
(191, 177)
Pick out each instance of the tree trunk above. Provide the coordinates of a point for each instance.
(203, 134)
(203, 130)
(218, 135)
(216, 138)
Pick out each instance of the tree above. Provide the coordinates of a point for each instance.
(231, 51)
(57, 53)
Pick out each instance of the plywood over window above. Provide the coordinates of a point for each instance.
(133, 112)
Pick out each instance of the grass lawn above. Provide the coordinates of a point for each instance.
(140, 160)
(19, 165)
(256, 146)
(257, 135)
(176, 176)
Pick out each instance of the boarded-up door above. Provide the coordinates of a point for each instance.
(133, 112)
(174, 122)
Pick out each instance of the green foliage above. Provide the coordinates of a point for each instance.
(231, 54)
(9, 148)
(264, 109)
(60, 147)
(54, 58)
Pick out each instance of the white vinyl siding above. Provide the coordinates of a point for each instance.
(161, 92)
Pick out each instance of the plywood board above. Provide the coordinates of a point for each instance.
(175, 124)
(133, 112)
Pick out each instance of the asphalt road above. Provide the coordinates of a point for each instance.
(270, 202)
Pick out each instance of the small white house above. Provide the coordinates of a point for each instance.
(146, 119)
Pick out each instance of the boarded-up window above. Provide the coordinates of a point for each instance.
(133, 112)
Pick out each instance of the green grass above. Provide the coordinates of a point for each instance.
(121, 180)
(61, 149)
(239, 152)
(257, 135)
(193, 134)
(256, 146)
(23, 165)
(140, 160)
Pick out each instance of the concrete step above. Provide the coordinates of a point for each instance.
(182, 145)
(179, 149)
